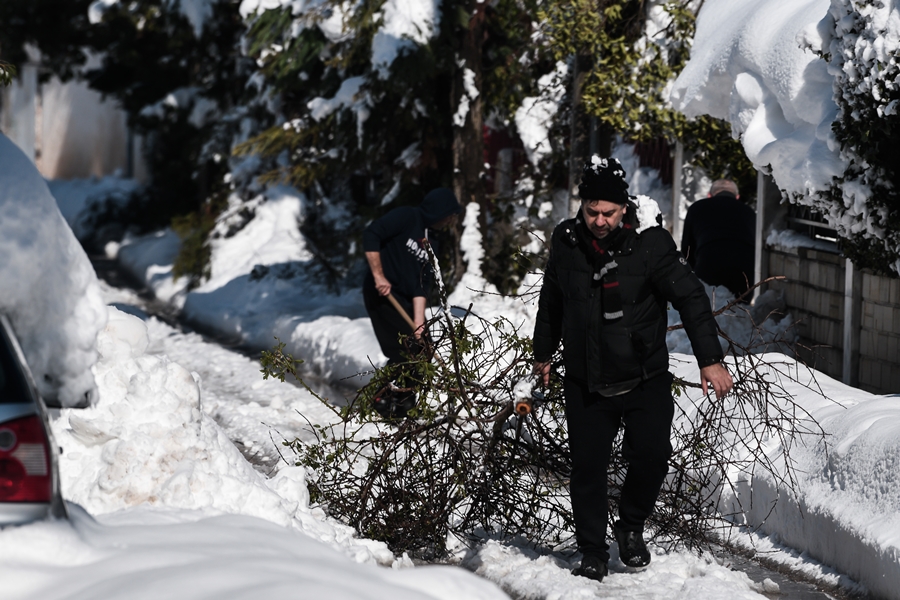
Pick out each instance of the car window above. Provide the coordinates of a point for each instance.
(13, 386)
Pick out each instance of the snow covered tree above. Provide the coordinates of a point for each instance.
(180, 77)
(864, 203)
(382, 106)
(177, 70)
(59, 30)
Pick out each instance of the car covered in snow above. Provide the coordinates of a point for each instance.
(29, 477)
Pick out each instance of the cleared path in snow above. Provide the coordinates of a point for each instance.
(259, 414)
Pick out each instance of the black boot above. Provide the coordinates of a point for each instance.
(403, 403)
(632, 549)
(392, 404)
(383, 403)
(592, 568)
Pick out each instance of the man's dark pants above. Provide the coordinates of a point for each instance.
(387, 323)
(593, 421)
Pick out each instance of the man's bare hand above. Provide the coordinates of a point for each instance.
(418, 316)
(542, 370)
(382, 285)
(717, 377)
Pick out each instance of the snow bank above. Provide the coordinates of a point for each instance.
(843, 510)
(145, 554)
(146, 441)
(47, 285)
(259, 289)
(149, 259)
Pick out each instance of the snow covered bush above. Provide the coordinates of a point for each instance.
(861, 43)
(810, 88)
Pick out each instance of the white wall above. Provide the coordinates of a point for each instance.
(68, 130)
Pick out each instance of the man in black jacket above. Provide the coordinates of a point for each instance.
(399, 265)
(719, 239)
(605, 295)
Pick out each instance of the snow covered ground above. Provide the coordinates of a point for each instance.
(164, 502)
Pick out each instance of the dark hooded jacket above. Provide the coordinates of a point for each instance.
(400, 236)
(613, 355)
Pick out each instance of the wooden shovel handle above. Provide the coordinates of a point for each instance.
(402, 312)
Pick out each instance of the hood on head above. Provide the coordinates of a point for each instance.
(438, 204)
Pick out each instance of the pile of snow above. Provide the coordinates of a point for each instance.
(48, 288)
(751, 64)
(147, 441)
(260, 289)
(146, 554)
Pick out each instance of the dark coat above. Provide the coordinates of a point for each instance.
(718, 241)
(612, 356)
(400, 237)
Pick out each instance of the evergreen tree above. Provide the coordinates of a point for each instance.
(863, 204)
(381, 119)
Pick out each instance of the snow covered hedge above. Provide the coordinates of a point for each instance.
(861, 41)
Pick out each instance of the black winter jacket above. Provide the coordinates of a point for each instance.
(614, 356)
(719, 240)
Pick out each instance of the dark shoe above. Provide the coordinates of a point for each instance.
(393, 405)
(592, 568)
(404, 403)
(383, 404)
(632, 549)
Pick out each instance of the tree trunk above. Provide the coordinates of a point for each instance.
(579, 135)
(468, 140)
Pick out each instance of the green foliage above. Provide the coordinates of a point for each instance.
(7, 72)
(278, 364)
(713, 149)
(627, 69)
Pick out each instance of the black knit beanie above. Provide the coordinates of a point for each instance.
(603, 179)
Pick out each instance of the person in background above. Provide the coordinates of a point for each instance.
(604, 295)
(719, 239)
(399, 266)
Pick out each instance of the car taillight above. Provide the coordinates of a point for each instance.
(24, 462)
